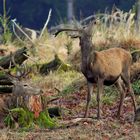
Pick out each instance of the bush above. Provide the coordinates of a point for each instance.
(23, 118)
(136, 87)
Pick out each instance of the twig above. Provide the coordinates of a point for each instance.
(57, 98)
(47, 21)
(135, 51)
(21, 31)
(16, 34)
(57, 90)
(30, 58)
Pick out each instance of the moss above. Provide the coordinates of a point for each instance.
(25, 119)
(56, 64)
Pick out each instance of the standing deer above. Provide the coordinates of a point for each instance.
(107, 67)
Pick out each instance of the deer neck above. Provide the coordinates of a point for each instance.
(86, 48)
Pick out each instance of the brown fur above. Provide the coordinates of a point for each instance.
(106, 61)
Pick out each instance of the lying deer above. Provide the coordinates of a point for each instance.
(107, 67)
(20, 88)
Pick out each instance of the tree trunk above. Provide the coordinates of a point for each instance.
(70, 14)
(137, 15)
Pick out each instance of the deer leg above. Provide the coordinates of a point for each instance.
(126, 79)
(99, 92)
(122, 96)
(90, 91)
(130, 90)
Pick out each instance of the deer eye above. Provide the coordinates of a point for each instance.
(25, 85)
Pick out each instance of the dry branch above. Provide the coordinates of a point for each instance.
(47, 21)
(75, 122)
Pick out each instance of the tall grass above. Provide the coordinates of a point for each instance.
(116, 29)
(5, 21)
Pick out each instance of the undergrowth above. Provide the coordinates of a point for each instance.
(136, 87)
(24, 119)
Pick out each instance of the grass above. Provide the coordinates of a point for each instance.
(83, 131)
(116, 33)
(57, 80)
(136, 87)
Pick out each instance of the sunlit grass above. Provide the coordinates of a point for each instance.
(57, 80)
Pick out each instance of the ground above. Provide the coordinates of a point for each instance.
(73, 106)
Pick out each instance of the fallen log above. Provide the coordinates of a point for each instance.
(5, 82)
(18, 56)
(75, 122)
(5, 90)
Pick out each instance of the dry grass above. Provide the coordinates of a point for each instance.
(84, 131)
(57, 80)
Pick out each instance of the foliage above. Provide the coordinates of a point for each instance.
(4, 21)
(68, 90)
(108, 97)
(136, 87)
(23, 118)
(44, 120)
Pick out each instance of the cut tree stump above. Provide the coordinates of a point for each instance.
(18, 56)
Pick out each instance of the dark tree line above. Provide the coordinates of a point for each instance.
(33, 13)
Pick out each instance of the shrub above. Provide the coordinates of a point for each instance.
(23, 118)
(136, 87)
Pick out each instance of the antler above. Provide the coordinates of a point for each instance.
(21, 71)
(65, 29)
(79, 30)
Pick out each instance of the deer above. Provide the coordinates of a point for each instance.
(20, 88)
(104, 68)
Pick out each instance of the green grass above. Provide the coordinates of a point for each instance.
(108, 97)
(136, 87)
